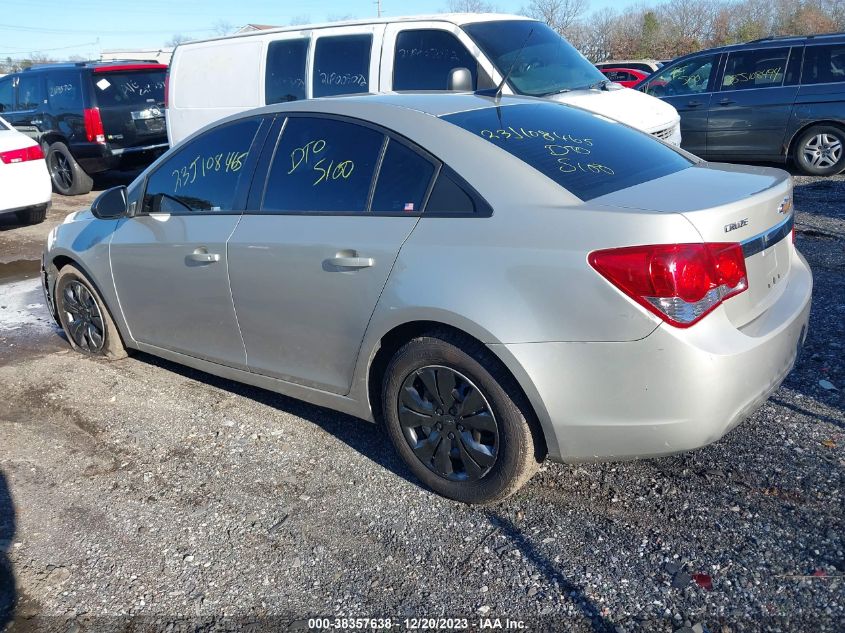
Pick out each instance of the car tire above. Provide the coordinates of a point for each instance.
(820, 150)
(490, 454)
(69, 179)
(84, 316)
(33, 215)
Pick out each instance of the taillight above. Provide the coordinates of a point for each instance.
(22, 155)
(94, 125)
(680, 283)
(167, 89)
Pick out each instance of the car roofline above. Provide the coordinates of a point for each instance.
(457, 19)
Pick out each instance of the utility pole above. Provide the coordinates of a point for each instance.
(378, 7)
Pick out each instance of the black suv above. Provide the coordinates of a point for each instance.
(773, 99)
(89, 116)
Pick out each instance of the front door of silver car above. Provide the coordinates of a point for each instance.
(309, 262)
(169, 260)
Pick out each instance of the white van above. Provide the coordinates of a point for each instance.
(211, 79)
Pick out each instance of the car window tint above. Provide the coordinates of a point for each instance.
(586, 153)
(449, 198)
(63, 91)
(7, 96)
(761, 68)
(402, 181)
(29, 92)
(285, 74)
(342, 65)
(423, 59)
(689, 77)
(824, 64)
(128, 88)
(203, 175)
(322, 166)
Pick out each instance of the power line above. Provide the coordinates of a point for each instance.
(44, 50)
(32, 29)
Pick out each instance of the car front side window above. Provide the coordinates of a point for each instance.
(423, 59)
(204, 175)
(688, 77)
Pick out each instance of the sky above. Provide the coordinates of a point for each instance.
(61, 28)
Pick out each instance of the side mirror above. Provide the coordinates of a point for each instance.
(460, 80)
(111, 204)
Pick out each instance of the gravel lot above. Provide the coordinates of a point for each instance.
(139, 489)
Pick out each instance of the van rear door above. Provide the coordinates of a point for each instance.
(131, 102)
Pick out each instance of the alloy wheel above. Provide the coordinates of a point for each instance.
(823, 150)
(60, 170)
(448, 423)
(83, 316)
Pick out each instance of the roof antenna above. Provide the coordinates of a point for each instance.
(497, 93)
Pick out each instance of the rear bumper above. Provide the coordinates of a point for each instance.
(94, 157)
(673, 391)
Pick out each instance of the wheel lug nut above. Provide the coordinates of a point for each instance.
(460, 428)
(451, 436)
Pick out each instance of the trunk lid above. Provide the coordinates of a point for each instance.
(131, 102)
(730, 203)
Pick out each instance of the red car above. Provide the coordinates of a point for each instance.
(628, 77)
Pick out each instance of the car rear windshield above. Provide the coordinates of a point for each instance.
(128, 87)
(585, 153)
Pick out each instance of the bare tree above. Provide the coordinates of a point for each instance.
(177, 39)
(558, 14)
(223, 27)
(302, 18)
(470, 6)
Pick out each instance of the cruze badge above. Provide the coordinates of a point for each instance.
(733, 226)
(785, 205)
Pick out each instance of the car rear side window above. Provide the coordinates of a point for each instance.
(342, 65)
(450, 198)
(322, 165)
(63, 91)
(7, 95)
(423, 59)
(403, 180)
(285, 74)
(30, 92)
(824, 64)
(204, 175)
(761, 68)
(128, 88)
(585, 153)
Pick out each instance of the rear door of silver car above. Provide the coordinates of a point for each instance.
(309, 259)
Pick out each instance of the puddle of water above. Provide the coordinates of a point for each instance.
(21, 298)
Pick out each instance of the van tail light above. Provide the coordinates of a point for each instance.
(167, 89)
(680, 283)
(94, 126)
(32, 152)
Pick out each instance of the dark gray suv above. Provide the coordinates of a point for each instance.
(775, 99)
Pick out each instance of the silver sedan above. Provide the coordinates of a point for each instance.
(498, 281)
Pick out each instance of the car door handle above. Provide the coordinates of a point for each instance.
(725, 102)
(344, 261)
(695, 104)
(203, 257)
